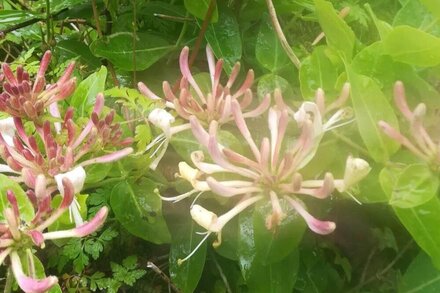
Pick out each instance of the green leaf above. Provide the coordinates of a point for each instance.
(269, 82)
(317, 71)
(139, 210)
(422, 222)
(433, 6)
(338, 34)
(268, 50)
(369, 190)
(74, 49)
(224, 38)
(278, 276)
(118, 48)
(414, 186)
(415, 14)
(198, 8)
(97, 172)
(142, 137)
(184, 240)
(421, 276)
(382, 27)
(370, 106)
(412, 46)
(25, 206)
(84, 96)
(274, 245)
(10, 18)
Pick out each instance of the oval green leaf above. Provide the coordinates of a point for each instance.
(120, 50)
(414, 186)
(139, 210)
(420, 277)
(268, 50)
(24, 204)
(413, 46)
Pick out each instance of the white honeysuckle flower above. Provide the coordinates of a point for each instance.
(213, 223)
(77, 177)
(162, 120)
(355, 170)
(7, 130)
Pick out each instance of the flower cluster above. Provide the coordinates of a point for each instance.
(24, 99)
(216, 105)
(269, 169)
(18, 236)
(422, 144)
(46, 150)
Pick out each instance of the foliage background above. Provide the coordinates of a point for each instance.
(387, 244)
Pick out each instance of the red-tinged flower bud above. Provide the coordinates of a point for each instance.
(68, 192)
(29, 110)
(37, 238)
(13, 201)
(8, 74)
(29, 177)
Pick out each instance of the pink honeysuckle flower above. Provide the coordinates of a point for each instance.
(423, 145)
(63, 151)
(191, 101)
(18, 236)
(28, 100)
(271, 170)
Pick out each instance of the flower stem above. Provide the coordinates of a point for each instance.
(9, 281)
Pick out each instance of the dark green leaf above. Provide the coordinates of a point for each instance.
(274, 245)
(269, 82)
(120, 50)
(10, 18)
(184, 240)
(422, 222)
(72, 49)
(317, 71)
(198, 8)
(139, 209)
(420, 277)
(268, 49)
(224, 39)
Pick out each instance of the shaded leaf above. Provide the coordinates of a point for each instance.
(118, 48)
(198, 8)
(420, 277)
(139, 210)
(268, 50)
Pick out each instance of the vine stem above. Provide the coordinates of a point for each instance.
(385, 270)
(9, 281)
(276, 24)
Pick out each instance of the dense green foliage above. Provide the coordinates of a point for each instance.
(387, 227)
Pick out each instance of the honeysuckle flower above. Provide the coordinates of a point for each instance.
(271, 171)
(192, 101)
(19, 237)
(7, 130)
(423, 145)
(26, 99)
(63, 152)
